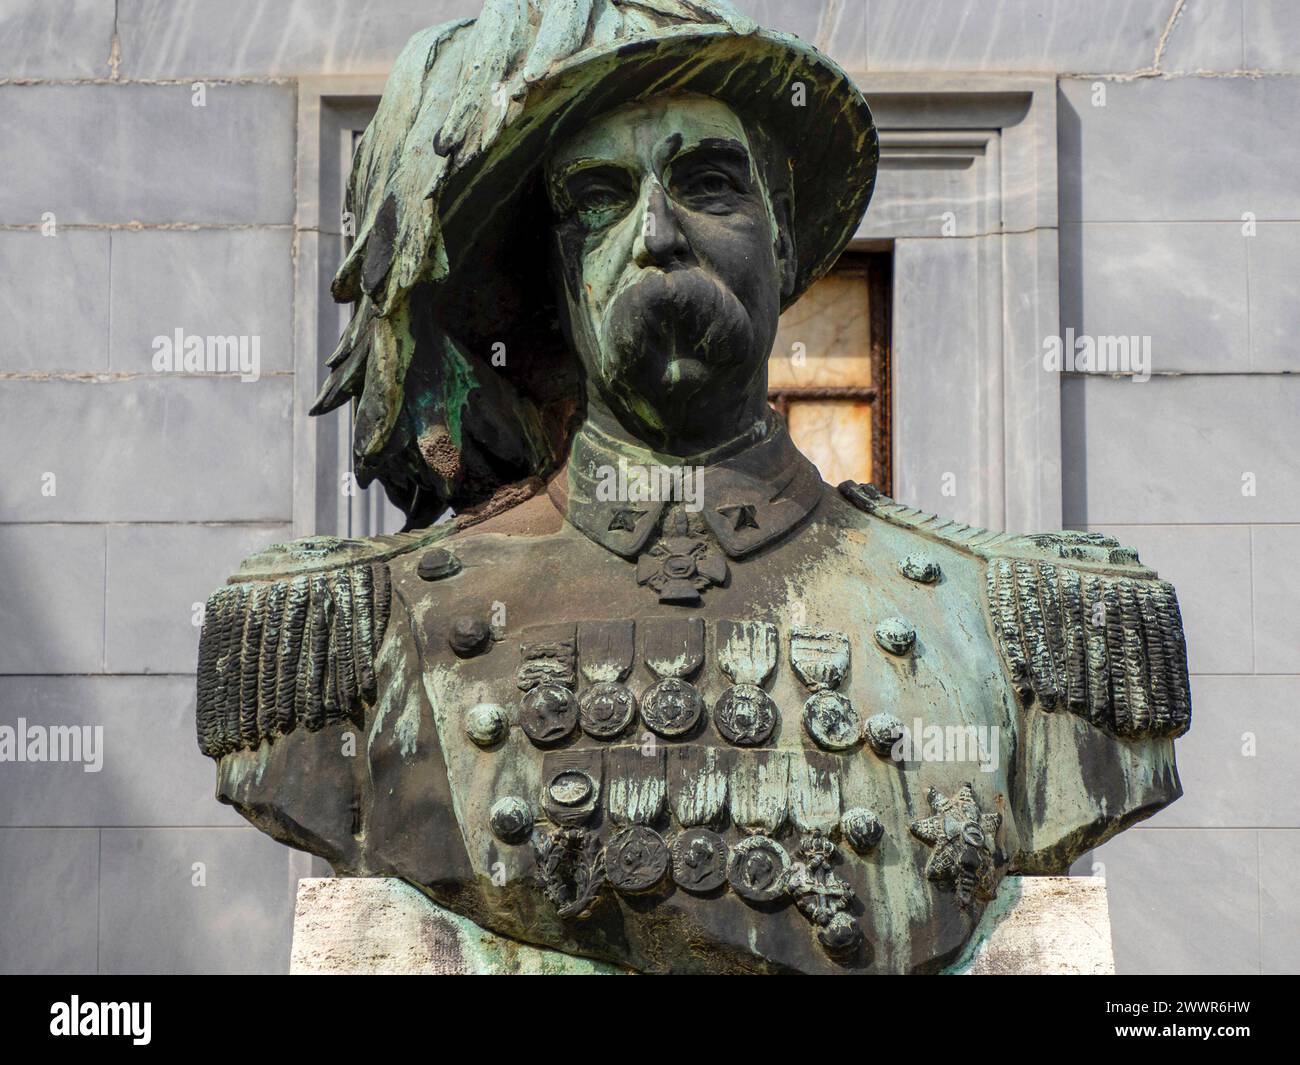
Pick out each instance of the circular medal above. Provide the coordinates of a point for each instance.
(745, 715)
(671, 707)
(636, 859)
(699, 860)
(758, 869)
(548, 713)
(571, 787)
(606, 709)
(831, 720)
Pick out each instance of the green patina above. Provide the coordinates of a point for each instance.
(1008, 895)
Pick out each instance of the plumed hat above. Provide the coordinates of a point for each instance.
(448, 266)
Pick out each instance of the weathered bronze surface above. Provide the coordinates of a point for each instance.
(656, 694)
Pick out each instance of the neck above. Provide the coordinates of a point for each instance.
(708, 432)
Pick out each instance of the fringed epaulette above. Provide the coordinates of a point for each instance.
(1081, 624)
(292, 639)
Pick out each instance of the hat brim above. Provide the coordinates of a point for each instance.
(800, 97)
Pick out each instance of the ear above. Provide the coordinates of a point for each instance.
(787, 263)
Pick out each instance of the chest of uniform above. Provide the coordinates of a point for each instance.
(803, 650)
(764, 746)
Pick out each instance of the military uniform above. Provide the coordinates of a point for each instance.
(715, 739)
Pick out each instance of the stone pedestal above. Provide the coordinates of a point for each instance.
(1043, 926)
(367, 926)
(1036, 926)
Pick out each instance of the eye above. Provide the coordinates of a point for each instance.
(708, 183)
(597, 199)
(708, 188)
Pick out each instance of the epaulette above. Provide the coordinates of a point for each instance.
(1080, 622)
(291, 639)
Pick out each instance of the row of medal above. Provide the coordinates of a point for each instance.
(574, 864)
(745, 714)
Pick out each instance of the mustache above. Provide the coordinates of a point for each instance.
(686, 312)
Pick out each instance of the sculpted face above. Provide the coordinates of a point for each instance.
(673, 257)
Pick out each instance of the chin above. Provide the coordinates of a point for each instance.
(688, 373)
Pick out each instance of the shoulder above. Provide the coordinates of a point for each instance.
(291, 639)
(1081, 624)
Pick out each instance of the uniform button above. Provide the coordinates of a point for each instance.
(485, 724)
(920, 568)
(896, 635)
(437, 564)
(862, 828)
(511, 819)
(469, 636)
(882, 732)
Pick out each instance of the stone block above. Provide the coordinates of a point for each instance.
(1106, 36)
(174, 448)
(56, 38)
(151, 771)
(156, 576)
(49, 879)
(1274, 263)
(54, 301)
(1194, 449)
(252, 38)
(1183, 901)
(181, 901)
(1237, 764)
(1183, 286)
(1148, 154)
(52, 608)
(207, 283)
(145, 153)
(1279, 868)
(1275, 550)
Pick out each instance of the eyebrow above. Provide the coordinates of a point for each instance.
(558, 180)
(724, 149)
(671, 152)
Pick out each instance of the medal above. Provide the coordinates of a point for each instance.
(636, 859)
(700, 860)
(571, 784)
(605, 650)
(820, 659)
(747, 652)
(758, 869)
(673, 649)
(549, 709)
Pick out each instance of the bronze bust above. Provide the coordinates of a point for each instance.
(656, 694)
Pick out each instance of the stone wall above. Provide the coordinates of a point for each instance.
(165, 215)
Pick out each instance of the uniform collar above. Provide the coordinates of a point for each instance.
(750, 492)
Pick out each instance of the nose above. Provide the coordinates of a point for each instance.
(659, 241)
